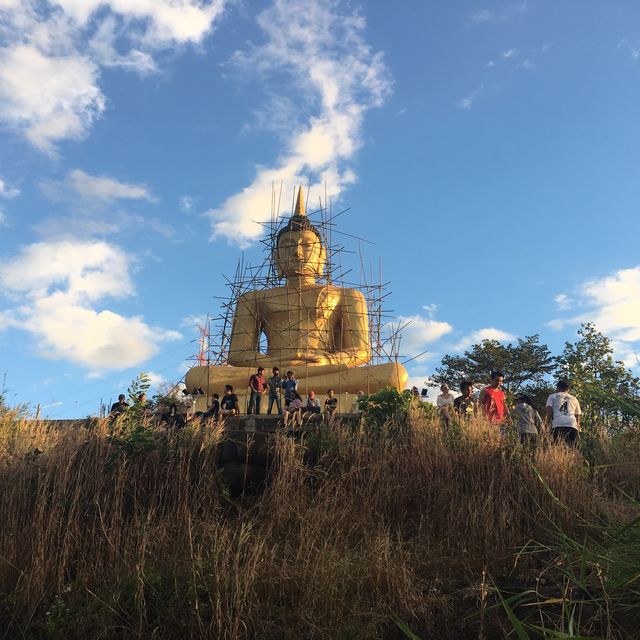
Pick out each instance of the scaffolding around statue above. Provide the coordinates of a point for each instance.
(300, 309)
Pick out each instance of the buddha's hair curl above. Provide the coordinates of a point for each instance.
(298, 223)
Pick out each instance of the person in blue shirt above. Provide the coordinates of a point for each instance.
(289, 385)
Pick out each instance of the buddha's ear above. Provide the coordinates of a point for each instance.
(276, 263)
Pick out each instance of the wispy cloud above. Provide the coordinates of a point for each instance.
(612, 303)
(53, 52)
(187, 204)
(632, 47)
(332, 78)
(95, 208)
(497, 15)
(98, 189)
(419, 333)
(564, 302)
(58, 291)
(7, 191)
(489, 333)
(468, 101)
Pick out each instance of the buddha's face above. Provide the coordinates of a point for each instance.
(300, 253)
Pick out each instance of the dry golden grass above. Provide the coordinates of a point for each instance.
(416, 525)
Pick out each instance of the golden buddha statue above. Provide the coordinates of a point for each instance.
(318, 330)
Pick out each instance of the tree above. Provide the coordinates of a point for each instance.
(525, 365)
(597, 379)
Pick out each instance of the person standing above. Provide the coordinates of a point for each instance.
(444, 402)
(563, 414)
(528, 421)
(492, 400)
(464, 405)
(275, 385)
(289, 385)
(257, 387)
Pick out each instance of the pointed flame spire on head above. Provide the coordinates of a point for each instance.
(299, 211)
(299, 220)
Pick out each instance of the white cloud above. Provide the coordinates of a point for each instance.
(49, 98)
(3, 219)
(187, 204)
(56, 287)
(100, 189)
(52, 54)
(632, 48)
(334, 78)
(509, 53)
(612, 303)
(489, 333)
(155, 379)
(419, 333)
(194, 321)
(8, 192)
(467, 102)
(564, 302)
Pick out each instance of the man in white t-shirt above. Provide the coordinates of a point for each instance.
(563, 414)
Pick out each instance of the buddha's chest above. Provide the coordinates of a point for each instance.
(314, 307)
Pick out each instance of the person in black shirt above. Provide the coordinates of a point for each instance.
(118, 408)
(465, 405)
(215, 406)
(330, 405)
(275, 385)
(229, 403)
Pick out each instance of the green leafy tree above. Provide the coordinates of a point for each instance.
(132, 432)
(598, 379)
(526, 364)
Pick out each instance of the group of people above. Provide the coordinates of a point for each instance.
(562, 411)
(276, 388)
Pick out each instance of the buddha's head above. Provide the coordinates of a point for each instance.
(299, 250)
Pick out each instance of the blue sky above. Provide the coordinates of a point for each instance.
(489, 150)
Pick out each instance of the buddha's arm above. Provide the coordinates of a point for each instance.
(243, 347)
(352, 330)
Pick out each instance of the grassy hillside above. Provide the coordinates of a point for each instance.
(397, 532)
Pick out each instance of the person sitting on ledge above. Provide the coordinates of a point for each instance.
(313, 404)
(330, 405)
(355, 406)
(293, 412)
(229, 404)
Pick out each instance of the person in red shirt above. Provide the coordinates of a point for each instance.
(492, 400)
(257, 387)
